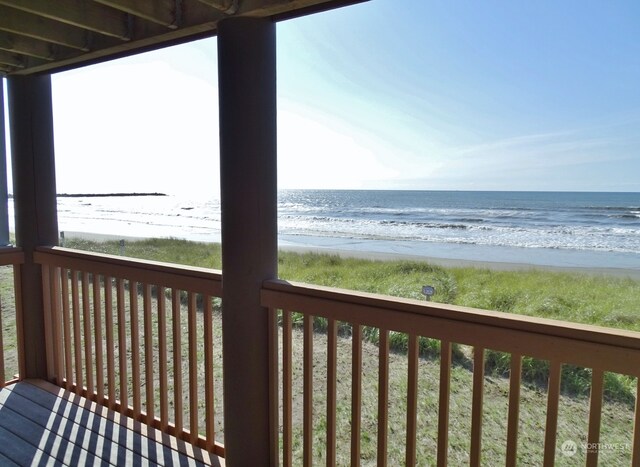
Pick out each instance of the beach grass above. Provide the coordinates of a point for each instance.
(600, 300)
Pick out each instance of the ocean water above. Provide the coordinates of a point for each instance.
(556, 229)
(590, 230)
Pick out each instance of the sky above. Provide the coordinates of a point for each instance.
(418, 94)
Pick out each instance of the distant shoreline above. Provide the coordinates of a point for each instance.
(106, 195)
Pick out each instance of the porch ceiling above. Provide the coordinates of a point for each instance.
(43, 36)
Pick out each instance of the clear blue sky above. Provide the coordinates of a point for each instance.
(389, 94)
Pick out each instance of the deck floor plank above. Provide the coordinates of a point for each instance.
(43, 424)
(70, 426)
(5, 461)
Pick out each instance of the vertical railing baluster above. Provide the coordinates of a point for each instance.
(3, 379)
(109, 347)
(122, 346)
(48, 325)
(287, 390)
(551, 427)
(148, 354)
(274, 383)
(307, 417)
(135, 348)
(162, 358)
(477, 406)
(20, 343)
(383, 396)
(515, 376)
(412, 400)
(66, 328)
(356, 393)
(332, 332)
(444, 397)
(86, 321)
(97, 324)
(177, 361)
(77, 342)
(193, 367)
(635, 449)
(595, 415)
(208, 373)
(56, 318)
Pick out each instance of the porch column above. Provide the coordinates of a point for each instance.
(247, 100)
(34, 197)
(4, 198)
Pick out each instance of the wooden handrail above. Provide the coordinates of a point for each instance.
(11, 256)
(579, 344)
(198, 280)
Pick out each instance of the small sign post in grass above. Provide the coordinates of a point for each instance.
(428, 291)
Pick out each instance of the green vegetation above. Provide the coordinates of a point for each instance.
(598, 300)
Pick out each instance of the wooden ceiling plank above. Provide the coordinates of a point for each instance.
(226, 6)
(196, 19)
(24, 24)
(11, 59)
(5, 70)
(79, 13)
(24, 46)
(283, 9)
(160, 11)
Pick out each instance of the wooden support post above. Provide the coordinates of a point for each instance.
(4, 197)
(34, 196)
(247, 102)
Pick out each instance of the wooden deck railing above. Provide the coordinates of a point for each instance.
(137, 336)
(598, 349)
(11, 360)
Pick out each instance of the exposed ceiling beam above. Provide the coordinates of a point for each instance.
(24, 24)
(7, 58)
(280, 9)
(24, 46)
(161, 12)
(226, 6)
(122, 49)
(149, 25)
(79, 13)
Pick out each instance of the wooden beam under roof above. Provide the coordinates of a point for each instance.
(148, 24)
(161, 12)
(79, 13)
(226, 6)
(285, 9)
(11, 59)
(24, 24)
(24, 46)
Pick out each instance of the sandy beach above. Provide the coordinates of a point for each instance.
(331, 249)
(462, 263)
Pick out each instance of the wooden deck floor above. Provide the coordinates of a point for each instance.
(41, 424)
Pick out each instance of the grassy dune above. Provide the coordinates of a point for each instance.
(599, 300)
